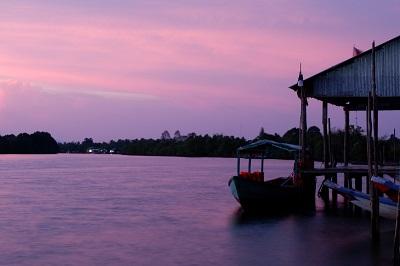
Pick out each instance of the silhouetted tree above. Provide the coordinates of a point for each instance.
(165, 135)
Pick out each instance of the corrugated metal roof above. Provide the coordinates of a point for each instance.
(351, 79)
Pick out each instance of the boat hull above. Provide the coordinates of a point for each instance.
(268, 195)
(387, 207)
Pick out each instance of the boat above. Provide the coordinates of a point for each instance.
(253, 192)
(386, 186)
(387, 207)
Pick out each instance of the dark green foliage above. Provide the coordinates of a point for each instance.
(36, 143)
(194, 145)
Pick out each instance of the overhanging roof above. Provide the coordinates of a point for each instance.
(348, 83)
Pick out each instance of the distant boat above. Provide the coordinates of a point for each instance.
(387, 207)
(250, 189)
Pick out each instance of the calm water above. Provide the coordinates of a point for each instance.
(121, 210)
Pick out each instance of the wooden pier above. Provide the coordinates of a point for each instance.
(368, 82)
(392, 171)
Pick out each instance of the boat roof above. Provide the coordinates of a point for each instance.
(263, 144)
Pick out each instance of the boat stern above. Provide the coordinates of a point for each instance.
(233, 187)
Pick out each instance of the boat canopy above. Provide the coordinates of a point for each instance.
(264, 144)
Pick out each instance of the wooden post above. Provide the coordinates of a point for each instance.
(358, 187)
(374, 194)
(347, 180)
(303, 123)
(334, 193)
(383, 158)
(396, 244)
(249, 169)
(358, 183)
(346, 137)
(330, 150)
(262, 163)
(238, 164)
(325, 190)
(394, 145)
(368, 140)
(325, 132)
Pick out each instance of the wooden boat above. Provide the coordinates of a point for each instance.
(387, 207)
(250, 189)
(386, 186)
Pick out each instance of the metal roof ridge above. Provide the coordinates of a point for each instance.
(348, 60)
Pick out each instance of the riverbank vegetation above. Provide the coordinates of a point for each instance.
(193, 145)
(36, 143)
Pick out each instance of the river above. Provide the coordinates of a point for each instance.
(70, 209)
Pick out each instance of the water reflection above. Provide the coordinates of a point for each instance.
(241, 217)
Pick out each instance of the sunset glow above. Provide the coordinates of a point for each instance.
(131, 69)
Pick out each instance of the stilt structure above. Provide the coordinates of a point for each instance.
(366, 82)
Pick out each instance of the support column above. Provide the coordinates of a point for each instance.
(325, 132)
(303, 123)
(331, 158)
(347, 178)
(325, 190)
(375, 195)
(368, 141)
(346, 137)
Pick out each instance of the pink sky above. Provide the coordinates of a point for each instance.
(133, 69)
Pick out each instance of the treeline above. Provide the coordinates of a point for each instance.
(194, 145)
(36, 143)
(191, 146)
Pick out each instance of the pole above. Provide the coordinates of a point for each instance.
(396, 244)
(325, 132)
(346, 138)
(325, 190)
(330, 142)
(347, 180)
(303, 123)
(375, 195)
(394, 144)
(330, 156)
